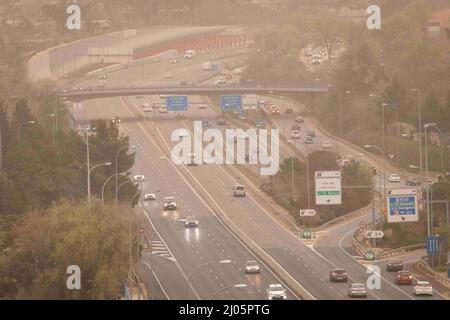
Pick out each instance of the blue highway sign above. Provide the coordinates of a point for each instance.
(177, 103)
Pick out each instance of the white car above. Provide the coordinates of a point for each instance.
(252, 267)
(220, 81)
(276, 292)
(139, 177)
(357, 290)
(326, 145)
(239, 190)
(423, 288)
(393, 177)
(145, 105)
(296, 134)
(149, 197)
(163, 109)
(174, 61)
(168, 75)
(202, 106)
(169, 203)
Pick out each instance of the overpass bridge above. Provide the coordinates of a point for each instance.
(87, 94)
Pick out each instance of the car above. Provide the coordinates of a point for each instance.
(116, 121)
(393, 177)
(239, 190)
(345, 162)
(168, 75)
(311, 133)
(139, 97)
(208, 159)
(295, 134)
(191, 222)
(205, 124)
(274, 110)
(188, 56)
(338, 274)
(299, 120)
(289, 111)
(296, 127)
(316, 61)
(169, 203)
(260, 123)
(149, 197)
(220, 81)
(222, 122)
(326, 145)
(357, 290)
(139, 178)
(174, 61)
(202, 106)
(412, 182)
(163, 96)
(394, 266)
(403, 277)
(308, 140)
(252, 267)
(373, 170)
(276, 292)
(102, 77)
(145, 105)
(163, 109)
(423, 288)
(338, 156)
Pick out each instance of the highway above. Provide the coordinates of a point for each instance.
(190, 247)
(212, 241)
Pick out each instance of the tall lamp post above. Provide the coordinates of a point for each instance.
(240, 285)
(20, 127)
(398, 129)
(89, 179)
(122, 174)
(201, 266)
(116, 163)
(50, 115)
(419, 99)
(369, 146)
(426, 126)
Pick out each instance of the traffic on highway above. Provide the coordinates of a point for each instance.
(305, 158)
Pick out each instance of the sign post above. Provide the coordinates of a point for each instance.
(230, 103)
(177, 103)
(328, 188)
(402, 205)
(374, 234)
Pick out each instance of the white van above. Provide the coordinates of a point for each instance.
(239, 190)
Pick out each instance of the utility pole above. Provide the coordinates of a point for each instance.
(1, 159)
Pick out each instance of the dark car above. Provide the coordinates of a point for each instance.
(260, 124)
(338, 275)
(222, 122)
(299, 120)
(413, 181)
(394, 266)
(116, 121)
(403, 277)
(191, 222)
(289, 111)
(311, 133)
(308, 140)
(296, 127)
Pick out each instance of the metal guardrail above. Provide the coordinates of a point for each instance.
(401, 250)
(424, 267)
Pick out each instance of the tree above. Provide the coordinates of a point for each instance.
(68, 234)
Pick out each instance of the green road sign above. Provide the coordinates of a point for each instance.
(306, 234)
(370, 255)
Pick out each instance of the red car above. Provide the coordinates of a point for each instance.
(274, 110)
(403, 277)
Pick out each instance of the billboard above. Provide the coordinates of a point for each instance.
(402, 205)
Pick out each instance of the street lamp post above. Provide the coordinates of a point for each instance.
(201, 266)
(420, 136)
(51, 115)
(130, 237)
(122, 174)
(398, 129)
(240, 285)
(442, 145)
(20, 127)
(89, 179)
(117, 160)
(426, 126)
(357, 110)
(369, 146)
(120, 186)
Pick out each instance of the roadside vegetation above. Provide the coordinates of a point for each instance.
(293, 200)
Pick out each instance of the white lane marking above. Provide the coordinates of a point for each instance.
(157, 280)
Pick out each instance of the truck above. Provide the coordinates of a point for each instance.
(206, 66)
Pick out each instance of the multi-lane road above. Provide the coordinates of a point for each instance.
(205, 191)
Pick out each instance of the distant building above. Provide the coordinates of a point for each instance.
(438, 26)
